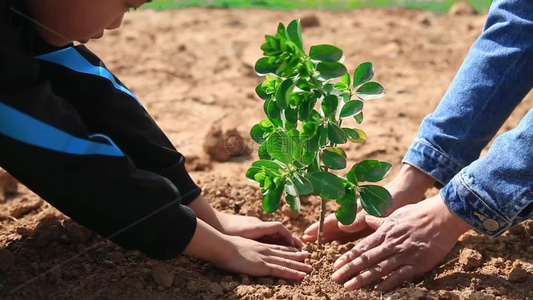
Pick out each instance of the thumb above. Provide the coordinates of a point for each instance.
(374, 222)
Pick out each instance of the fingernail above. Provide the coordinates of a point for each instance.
(338, 262)
(335, 277)
(349, 286)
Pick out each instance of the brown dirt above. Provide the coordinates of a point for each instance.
(193, 69)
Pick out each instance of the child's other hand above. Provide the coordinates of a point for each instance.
(242, 255)
(255, 229)
(258, 259)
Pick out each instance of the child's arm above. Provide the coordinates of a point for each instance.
(46, 145)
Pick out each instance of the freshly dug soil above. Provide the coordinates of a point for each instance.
(193, 70)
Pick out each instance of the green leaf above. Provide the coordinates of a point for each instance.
(267, 164)
(280, 146)
(363, 73)
(334, 158)
(329, 105)
(291, 115)
(294, 202)
(273, 112)
(330, 70)
(291, 189)
(375, 199)
(322, 132)
(309, 129)
(303, 185)
(359, 118)
(355, 135)
(261, 93)
(349, 196)
(272, 199)
(260, 177)
(370, 91)
(335, 134)
(351, 108)
(327, 185)
(263, 152)
(327, 53)
(281, 30)
(294, 32)
(257, 133)
(371, 170)
(346, 79)
(250, 174)
(346, 213)
(341, 86)
(263, 66)
(284, 92)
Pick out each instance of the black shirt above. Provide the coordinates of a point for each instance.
(76, 136)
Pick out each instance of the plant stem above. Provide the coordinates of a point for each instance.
(321, 222)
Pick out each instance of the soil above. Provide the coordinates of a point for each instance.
(193, 69)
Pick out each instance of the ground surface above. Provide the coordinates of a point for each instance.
(192, 69)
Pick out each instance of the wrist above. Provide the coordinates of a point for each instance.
(208, 244)
(414, 177)
(409, 186)
(453, 223)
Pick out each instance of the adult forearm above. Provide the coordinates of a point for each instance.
(494, 78)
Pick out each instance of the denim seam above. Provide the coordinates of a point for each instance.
(429, 145)
(463, 182)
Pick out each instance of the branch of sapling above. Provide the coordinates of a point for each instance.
(298, 142)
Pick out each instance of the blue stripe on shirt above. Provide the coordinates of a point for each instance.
(73, 60)
(26, 129)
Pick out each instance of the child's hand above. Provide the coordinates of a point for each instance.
(246, 256)
(259, 259)
(253, 228)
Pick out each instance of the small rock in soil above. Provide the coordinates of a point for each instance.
(216, 289)
(518, 274)
(47, 230)
(462, 9)
(8, 185)
(25, 206)
(309, 21)
(162, 275)
(76, 232)
(194, 286)
(220, 145)
(6, 259)
(529, 226)
(516, 230)
(470, 259)
(197, 163)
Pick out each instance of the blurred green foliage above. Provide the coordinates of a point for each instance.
(335, 5)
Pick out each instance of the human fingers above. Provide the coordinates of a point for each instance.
(297, 256)
(289, 263)
(273, 228)
(284, 272)
(376, 272)
(366, 244)
(330, 227)
(401, 275)
(365, 260)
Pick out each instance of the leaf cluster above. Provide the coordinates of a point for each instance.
(306, 98)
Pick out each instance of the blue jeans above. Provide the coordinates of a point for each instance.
(494, 192)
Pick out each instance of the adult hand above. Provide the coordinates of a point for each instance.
(406, 188)
(410, 242)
